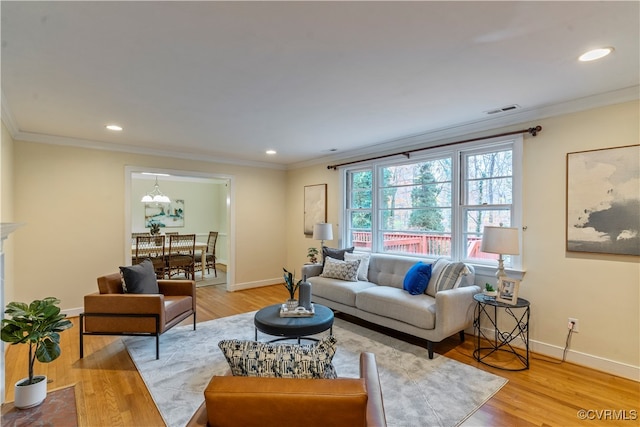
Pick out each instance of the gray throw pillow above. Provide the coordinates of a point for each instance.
(258, 359)
(334, 253)
(140, 278)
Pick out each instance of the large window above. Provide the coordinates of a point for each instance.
(436, 204)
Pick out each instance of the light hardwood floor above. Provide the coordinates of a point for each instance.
(112, 393)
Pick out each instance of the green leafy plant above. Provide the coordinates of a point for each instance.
(312, 255)
(290, 283)
(489, 288)
(154, 228)
(37, 324)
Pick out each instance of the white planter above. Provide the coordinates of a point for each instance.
(28, 396)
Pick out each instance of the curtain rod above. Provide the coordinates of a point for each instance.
(533, 131)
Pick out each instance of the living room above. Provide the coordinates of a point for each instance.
(71, 196)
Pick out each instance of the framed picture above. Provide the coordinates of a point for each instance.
(167, 215)
(508, 290)
(315, 206)
(603, 201)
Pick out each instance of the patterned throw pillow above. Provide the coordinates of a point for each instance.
(343, 270)
(257, 359)
(445, 275)
(363, 269)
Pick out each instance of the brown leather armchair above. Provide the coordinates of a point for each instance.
(113, 312)
(272, 402)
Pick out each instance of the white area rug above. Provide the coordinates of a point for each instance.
(417, 391)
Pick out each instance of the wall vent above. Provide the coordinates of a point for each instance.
(503, 109)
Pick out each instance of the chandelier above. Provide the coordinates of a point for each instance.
(155, 196)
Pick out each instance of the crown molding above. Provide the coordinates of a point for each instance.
(107, 146)
(380, 147)
(7, 117)
(517, 117)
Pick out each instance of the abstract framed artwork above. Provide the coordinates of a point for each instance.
(603, 201)
(315, 206)
(167, 215)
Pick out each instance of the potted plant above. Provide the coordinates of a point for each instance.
(312, 254)
(154, 228)
(489, 290)
(38, 325)
(292, 287)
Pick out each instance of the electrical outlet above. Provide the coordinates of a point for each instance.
(576, 324)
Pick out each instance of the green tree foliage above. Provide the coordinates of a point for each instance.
(424, 196)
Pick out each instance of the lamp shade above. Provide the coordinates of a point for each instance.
(322, 231)
(500, 240)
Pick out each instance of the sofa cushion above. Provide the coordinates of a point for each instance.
(257, 359)
(334, 253)
(139, 278)
(363, 268)
(174, 306)
(337, 290)
(394, 303)
(343, 270)
(389, 270)
(445, 275)
(417, 278)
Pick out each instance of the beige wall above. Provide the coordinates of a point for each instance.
(72, 200)
(7, 209)
(73, 203)
(558, 284)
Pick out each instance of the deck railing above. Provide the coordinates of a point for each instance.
(414, 243)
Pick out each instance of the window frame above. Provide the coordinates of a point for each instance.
(458, 233)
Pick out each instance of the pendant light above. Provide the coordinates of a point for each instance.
(155, 196)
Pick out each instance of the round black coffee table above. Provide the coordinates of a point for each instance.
(268, 321)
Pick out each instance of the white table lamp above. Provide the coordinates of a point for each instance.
(501, 241)
(322, 231)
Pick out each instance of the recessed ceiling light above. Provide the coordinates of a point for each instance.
(114, 127)
(271, 152)
(594, 54)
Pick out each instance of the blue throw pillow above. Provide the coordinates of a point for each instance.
(417, 278)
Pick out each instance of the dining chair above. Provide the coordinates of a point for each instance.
(151, 247)
(211, 251)
(134, 235)
(181, 256)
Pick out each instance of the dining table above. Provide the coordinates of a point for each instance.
(154, 249)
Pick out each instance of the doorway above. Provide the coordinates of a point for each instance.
(199, 203)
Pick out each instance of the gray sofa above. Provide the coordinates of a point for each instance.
(383, 301)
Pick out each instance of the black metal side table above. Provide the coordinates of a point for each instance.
(514, 325)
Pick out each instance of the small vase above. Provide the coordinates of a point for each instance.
(292, 304)
(305, 294)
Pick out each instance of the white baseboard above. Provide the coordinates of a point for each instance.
(257, 284)
(583, 359)
(73, 312)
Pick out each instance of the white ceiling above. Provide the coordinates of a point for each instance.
(229, 80)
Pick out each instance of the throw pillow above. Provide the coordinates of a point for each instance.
(257, 359)
(363, 269)
(417, 278)
(343, 270)
(334, 253)
(139, 278)
(445, 275)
